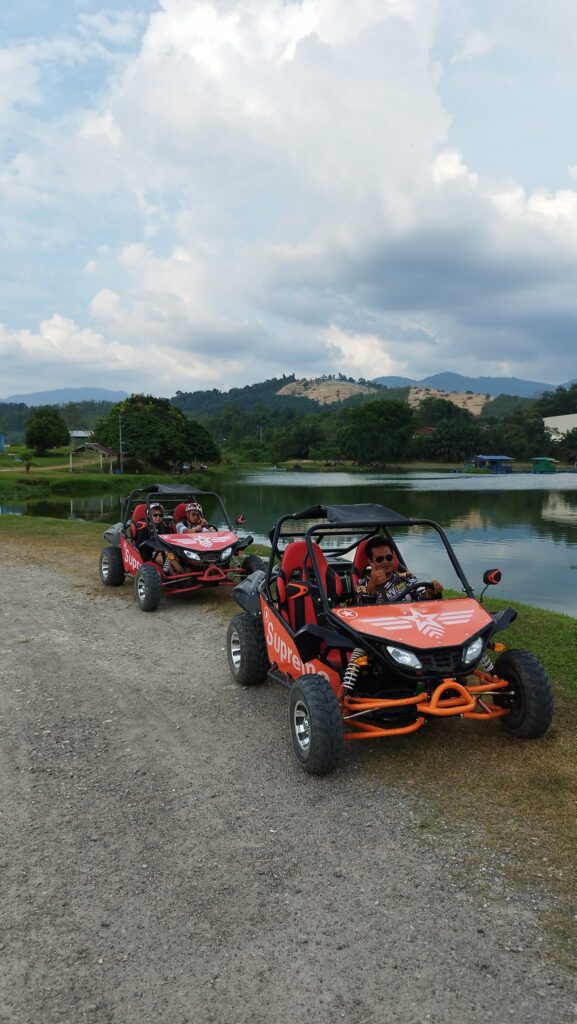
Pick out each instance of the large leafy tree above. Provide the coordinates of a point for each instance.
(45, 429)
(378, 431)
(453, 440)
(433, 411)
(567, 447)
(561, 402)
(297, 442)
(153, 430)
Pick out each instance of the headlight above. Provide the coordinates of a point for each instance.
(473, 651)
(405, 658)
(225, 554)
(193, 555)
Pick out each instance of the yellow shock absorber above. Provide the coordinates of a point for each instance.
(357, 661)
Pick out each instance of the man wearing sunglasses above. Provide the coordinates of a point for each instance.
(383, 581)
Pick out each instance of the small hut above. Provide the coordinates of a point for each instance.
(543, 464)
(98, 449)
(494, 463)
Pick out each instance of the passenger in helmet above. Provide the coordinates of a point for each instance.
(194, 521)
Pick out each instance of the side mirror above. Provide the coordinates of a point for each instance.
(240, 520)
(491, 577)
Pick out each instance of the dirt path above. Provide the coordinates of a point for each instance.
(164, 859)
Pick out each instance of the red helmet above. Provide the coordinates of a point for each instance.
(193, 506)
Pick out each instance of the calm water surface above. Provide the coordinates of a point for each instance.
(523, 523)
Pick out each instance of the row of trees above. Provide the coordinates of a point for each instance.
(152, 430)
(14, 416)
(385, 430)
(156, 431)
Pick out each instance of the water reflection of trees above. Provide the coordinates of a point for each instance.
(549, 513)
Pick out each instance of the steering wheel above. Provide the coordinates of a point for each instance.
(414, 588)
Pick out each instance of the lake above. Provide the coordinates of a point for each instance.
(522, 523)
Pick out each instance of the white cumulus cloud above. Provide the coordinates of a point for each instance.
(217, 191)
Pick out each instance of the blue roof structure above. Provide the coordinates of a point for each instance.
(496, 458)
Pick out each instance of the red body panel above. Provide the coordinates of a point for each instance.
(215, 540)
(423, 624)
(130, 556)
(283, 654)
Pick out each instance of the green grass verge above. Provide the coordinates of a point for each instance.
(27, 486)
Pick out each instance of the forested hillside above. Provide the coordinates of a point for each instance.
(213, 403)
(256, 424)
(76, 415)
(324, 390)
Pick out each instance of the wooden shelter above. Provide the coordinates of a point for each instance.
(106, 454)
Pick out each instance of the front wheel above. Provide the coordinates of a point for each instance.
(246, 650)
(253, 563)
(147, 588)
(316, 724)
(111, 567)
(530, 701)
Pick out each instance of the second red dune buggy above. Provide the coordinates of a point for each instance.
(361, 670)
(212, 558)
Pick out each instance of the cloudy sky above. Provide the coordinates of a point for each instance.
(206, 193)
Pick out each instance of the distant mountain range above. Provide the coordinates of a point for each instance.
(61, 396)
(287, 391)
(479, 385)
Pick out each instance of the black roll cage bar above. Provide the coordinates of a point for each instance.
(368, 528)
(152, 494)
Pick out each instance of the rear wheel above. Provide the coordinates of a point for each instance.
(246, 650)
(253, 563)
(111, 567)
(316, 724)
(530, 701)
(147, 588)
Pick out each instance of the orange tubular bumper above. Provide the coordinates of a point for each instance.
(464, 701)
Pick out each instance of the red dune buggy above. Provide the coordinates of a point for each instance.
(212, 558)
(361, 671)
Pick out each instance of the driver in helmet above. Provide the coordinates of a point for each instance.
(381, 584)
(148, 553)
(194, 521)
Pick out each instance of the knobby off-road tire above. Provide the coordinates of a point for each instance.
(111, 567)
(147, 588)
(246, 650)
(316, 724)
(253, 563)
(531, 706)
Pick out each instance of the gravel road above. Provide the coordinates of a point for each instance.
(164, 858)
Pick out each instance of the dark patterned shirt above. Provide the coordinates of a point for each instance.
(387, 592)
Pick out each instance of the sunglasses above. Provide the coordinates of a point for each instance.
(382, 558)
(157, 515)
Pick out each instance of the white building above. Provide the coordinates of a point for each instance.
(558, 426)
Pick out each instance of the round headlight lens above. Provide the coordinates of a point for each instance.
(405, 658)
(473, 651)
